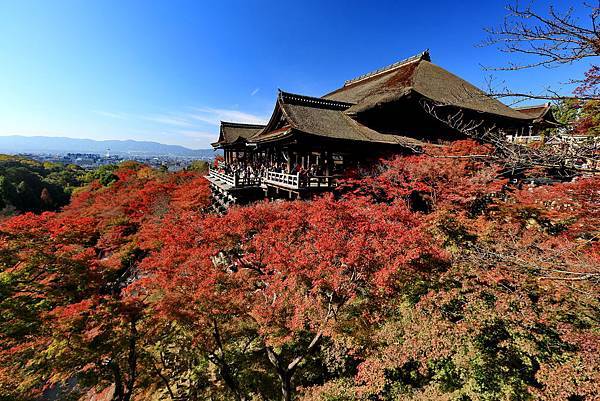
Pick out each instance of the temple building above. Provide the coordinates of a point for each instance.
(542, 120)
(311, 141)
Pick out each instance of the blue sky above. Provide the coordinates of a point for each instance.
(168, 71)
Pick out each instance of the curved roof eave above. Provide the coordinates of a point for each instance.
(278, 111)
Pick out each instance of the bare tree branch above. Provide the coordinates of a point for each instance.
(553, 39)
(562, 155)
(549, 39)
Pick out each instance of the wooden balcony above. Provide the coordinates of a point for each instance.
(284, 180)
(298, 181)
(235, 180)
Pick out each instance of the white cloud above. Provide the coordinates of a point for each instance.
(215, 116)
(209, 115)
(120, 116)
(191, 126)
(197, 134)
(169, 120)
(254, 92)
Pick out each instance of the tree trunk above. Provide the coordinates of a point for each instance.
(218, 358)
(285, 375)
(286, 371)
(131, 361)
(118, 394)
(286, 385)
(228, 377)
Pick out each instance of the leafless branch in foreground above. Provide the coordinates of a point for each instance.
(549, 40)
(563, 154)
(552, 38)
(501, 91)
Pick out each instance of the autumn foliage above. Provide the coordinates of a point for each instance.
(422, 277)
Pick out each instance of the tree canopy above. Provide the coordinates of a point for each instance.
(30, 186)
(422, 277)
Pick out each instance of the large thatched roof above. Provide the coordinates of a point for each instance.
(298, 114)
(417, 75)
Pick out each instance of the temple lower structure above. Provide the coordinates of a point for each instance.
(310, 142)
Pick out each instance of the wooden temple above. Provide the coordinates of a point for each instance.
(309, 142)
(542, 120)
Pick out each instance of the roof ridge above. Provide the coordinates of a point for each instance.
(314, 101)
(535, 106)
(236, 124)
(418, 57)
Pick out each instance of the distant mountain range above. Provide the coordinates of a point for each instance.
(45, 144)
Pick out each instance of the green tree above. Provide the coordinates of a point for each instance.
(199, 166)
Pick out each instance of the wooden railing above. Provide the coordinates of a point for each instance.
(221, 176)
(236, 179)
(282, 179)
(298, 181)
(239, 179)
(246, 180)
(321, 181)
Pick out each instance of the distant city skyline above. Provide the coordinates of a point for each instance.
(17, 144)
(170, 71)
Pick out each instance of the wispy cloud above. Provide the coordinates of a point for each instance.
(197, 134)
(120, 116)
(215, 116)
(254, 92)
(208, 115)
(198, 124)
(169, 120)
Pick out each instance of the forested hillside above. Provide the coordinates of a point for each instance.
(423, 277)
(30, 186)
